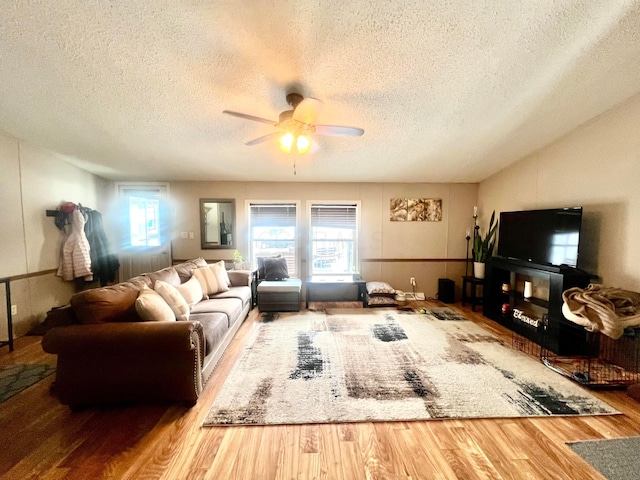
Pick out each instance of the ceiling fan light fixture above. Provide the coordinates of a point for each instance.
(286, 142)
(303, 144)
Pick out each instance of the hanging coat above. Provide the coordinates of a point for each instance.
(75, 259)
(104, 264)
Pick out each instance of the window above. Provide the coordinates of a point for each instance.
(272, 231)
(334, 239)
(144, 213)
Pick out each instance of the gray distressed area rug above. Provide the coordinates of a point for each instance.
(615, 459)
(383, 365)
(15, 378)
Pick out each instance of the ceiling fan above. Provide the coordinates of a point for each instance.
(296, 126)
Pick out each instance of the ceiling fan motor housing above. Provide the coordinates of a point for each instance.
(286, 115)
(294, 99)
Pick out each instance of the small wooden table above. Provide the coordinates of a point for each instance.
(473, 283)
(335, 288)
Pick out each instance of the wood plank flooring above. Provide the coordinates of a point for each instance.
(43, 439)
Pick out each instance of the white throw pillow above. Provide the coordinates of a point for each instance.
(191, 291)
(213, 279)
(174, 299)
(225, 274)
(152, 308)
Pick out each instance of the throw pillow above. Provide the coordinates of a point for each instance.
(213, 279)
(275, 269)
(174, 299)
(380, 288)
(225, 274)
(151, 307)
(191, 291)
(261, 270)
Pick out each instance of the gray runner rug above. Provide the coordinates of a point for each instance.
(615, 459)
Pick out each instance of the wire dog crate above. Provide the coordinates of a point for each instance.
(602, 362)
(606, 363)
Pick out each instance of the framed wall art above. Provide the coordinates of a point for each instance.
(415, 210)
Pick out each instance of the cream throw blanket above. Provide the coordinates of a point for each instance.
(602, 309)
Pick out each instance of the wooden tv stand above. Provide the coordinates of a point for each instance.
(526, 316)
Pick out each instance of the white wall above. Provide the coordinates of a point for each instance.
(597, 167)
(379, 237)
(34, 180)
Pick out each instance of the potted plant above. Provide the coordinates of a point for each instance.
(237, 260)
(483, 247)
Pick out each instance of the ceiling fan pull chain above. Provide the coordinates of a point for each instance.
(294, 165)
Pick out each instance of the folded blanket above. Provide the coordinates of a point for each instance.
(602, 309)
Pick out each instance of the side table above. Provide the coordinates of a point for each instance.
(470, 284)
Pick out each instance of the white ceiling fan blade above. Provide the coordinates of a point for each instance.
(249, 117)
(263, 138)
(338, 131)
(307, 110)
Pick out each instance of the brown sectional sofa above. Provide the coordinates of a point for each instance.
(108, 354)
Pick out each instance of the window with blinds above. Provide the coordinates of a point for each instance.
(272, 231)
(334, 238)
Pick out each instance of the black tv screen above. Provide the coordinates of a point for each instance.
(546, 237)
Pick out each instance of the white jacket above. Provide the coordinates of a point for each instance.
(75, 261)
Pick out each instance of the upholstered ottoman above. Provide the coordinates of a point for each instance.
(280, 295)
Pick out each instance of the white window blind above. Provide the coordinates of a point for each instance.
(333, 232)
(273, 230)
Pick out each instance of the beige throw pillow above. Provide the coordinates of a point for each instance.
(174, 299)
(225, 274)
(152, 308)
(191, 291)
(213, 279)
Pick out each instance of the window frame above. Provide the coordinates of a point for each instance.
(296, 273)
(356, 240)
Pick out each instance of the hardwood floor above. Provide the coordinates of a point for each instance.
(43, 439)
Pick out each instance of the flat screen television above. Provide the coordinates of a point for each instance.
(544, 237)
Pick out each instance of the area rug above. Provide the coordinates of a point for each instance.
(364, 365)
(615, 459)
(15, 378)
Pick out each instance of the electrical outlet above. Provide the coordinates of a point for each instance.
(184, 235)
(14, 309)
(191, 236)
(412, 281)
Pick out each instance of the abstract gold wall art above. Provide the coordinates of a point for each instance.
(416, 210)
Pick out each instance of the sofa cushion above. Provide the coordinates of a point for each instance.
(213, 279)
(115, 303)
(275, 269)
(191, 291)
(185, 269)
(169, 275)
(214, 326)
(174, 299)
(152, 308)
(243, 293)
(231, 307)
(141, 281)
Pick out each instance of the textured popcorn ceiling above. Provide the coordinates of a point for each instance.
(446, 90)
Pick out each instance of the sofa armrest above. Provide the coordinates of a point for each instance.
(240, 278)
(101, 339)
(127, 362)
